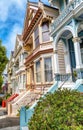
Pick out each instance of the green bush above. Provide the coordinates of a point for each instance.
(7, 95)
(62, 110)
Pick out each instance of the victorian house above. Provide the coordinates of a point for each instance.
(39, 44)
(38, 70)
(67, 33)
(10, 72)
(19, 67)
(16, 68)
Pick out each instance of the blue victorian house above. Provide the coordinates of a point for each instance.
(67, 33)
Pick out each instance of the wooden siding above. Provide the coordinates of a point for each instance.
(61, 58)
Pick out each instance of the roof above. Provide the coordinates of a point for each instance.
(48, 5)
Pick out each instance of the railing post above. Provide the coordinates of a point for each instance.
(22, 117)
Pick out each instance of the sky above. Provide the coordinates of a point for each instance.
(12, 14)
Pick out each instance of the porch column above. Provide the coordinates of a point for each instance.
(77, 52)
(56, 65)
(79, 66)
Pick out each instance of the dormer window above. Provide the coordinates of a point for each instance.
(45, 31)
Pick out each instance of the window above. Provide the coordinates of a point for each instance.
(81, 49)
(38, 74)
(36, 35)
(24, 78)
(20, 79)
(45, 32)
(66, 2)
(48, 69)
(25, 54)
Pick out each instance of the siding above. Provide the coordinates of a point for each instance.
(61, 59)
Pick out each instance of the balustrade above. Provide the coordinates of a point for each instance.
(71, 6)
(62, 77)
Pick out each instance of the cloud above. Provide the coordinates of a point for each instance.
(5, 6)
(11, 39)
(12, 13)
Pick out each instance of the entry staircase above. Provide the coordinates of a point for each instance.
(26, 99)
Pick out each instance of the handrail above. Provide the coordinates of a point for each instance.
(62, 77)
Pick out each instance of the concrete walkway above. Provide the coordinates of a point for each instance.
(11, 128)
(8, 123)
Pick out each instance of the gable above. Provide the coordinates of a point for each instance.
(30, 13)
(17, 44)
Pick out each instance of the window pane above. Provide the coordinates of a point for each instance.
(36, 37)
(45, 26)
(81, 49)
(45, 36)
(45, 32)
(38, 74)
(48, 69)
(24, 78)
(36, 32)
(36, 41)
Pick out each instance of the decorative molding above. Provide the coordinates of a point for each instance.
(65, 15)
(76, 39)
(55, 51)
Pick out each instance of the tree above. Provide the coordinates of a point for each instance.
(62, 110)
(3, 61)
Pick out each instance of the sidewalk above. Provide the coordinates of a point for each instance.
(11, 128)
(3, 112)
(8, 122)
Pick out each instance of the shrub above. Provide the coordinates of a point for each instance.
(62, 110)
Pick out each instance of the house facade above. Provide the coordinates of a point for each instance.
(10, 72)
(17, 72)
(38, 43)
(67, 33)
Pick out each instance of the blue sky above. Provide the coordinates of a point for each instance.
(12, 14)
